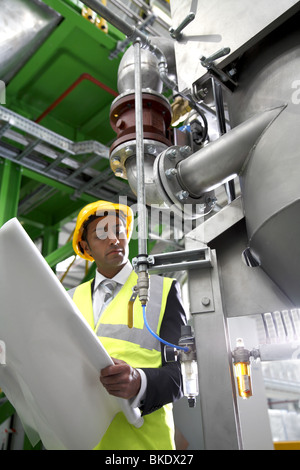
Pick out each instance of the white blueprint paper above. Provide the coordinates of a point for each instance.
(53, 357)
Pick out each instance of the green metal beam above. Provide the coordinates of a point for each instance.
(10, 182)
(50, 241)
(28, 446)
(6, 411)
(60, 254)
(55, 184)
(67, 212)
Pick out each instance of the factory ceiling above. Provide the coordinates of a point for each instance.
(58, 72)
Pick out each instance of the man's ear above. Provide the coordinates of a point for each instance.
(85, 246)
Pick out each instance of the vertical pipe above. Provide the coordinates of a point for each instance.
(141, 195)
(142, 266)
(50, 242)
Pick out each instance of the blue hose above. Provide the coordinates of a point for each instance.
(157, 337)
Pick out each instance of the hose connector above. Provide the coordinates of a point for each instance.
(143, 287)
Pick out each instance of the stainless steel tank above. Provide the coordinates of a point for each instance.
(268, 76)
(24, 25)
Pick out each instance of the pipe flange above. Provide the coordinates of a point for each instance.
(126, 150)
(165, 174)
(156, 116)
(131, 92)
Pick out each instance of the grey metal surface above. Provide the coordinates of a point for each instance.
(268, 76)
(245, 290)
(229, 23)
(220, 421)
(180, 260)
(125, 15)
(279, 352)
(218, 223)
(123, 160)
(223, 159)
(24, 25)
(150, 74)
(266, 157)
(149, 65)
(220, 295)
(152, 196)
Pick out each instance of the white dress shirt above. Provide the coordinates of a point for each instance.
(98, 297)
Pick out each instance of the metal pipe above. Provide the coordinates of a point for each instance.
(278, 352)
(149, 11)
(163, 67)
(224, 158)
(133, 34)
(142, 263)
(129, 31)
(134, 16)
(141, 195)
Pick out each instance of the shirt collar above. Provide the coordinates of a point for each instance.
(121, 277)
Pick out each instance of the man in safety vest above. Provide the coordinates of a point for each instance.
(140, 372)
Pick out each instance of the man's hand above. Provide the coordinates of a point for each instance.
(121, 380)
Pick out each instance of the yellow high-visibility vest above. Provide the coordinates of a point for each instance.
(140, 349)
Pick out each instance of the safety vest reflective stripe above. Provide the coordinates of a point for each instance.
(133, 335)
(142, 337)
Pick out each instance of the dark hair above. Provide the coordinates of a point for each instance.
(93, 217)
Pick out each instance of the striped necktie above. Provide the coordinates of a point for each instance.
(109, 288)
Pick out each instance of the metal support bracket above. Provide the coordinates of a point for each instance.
(224, 77)
(177, 33)
(180, 260)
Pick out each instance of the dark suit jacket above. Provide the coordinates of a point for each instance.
(164, 385)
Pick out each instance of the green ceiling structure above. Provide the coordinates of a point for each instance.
(74, 47)
(59, 98)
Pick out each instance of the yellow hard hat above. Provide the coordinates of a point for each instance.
(99, 208)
